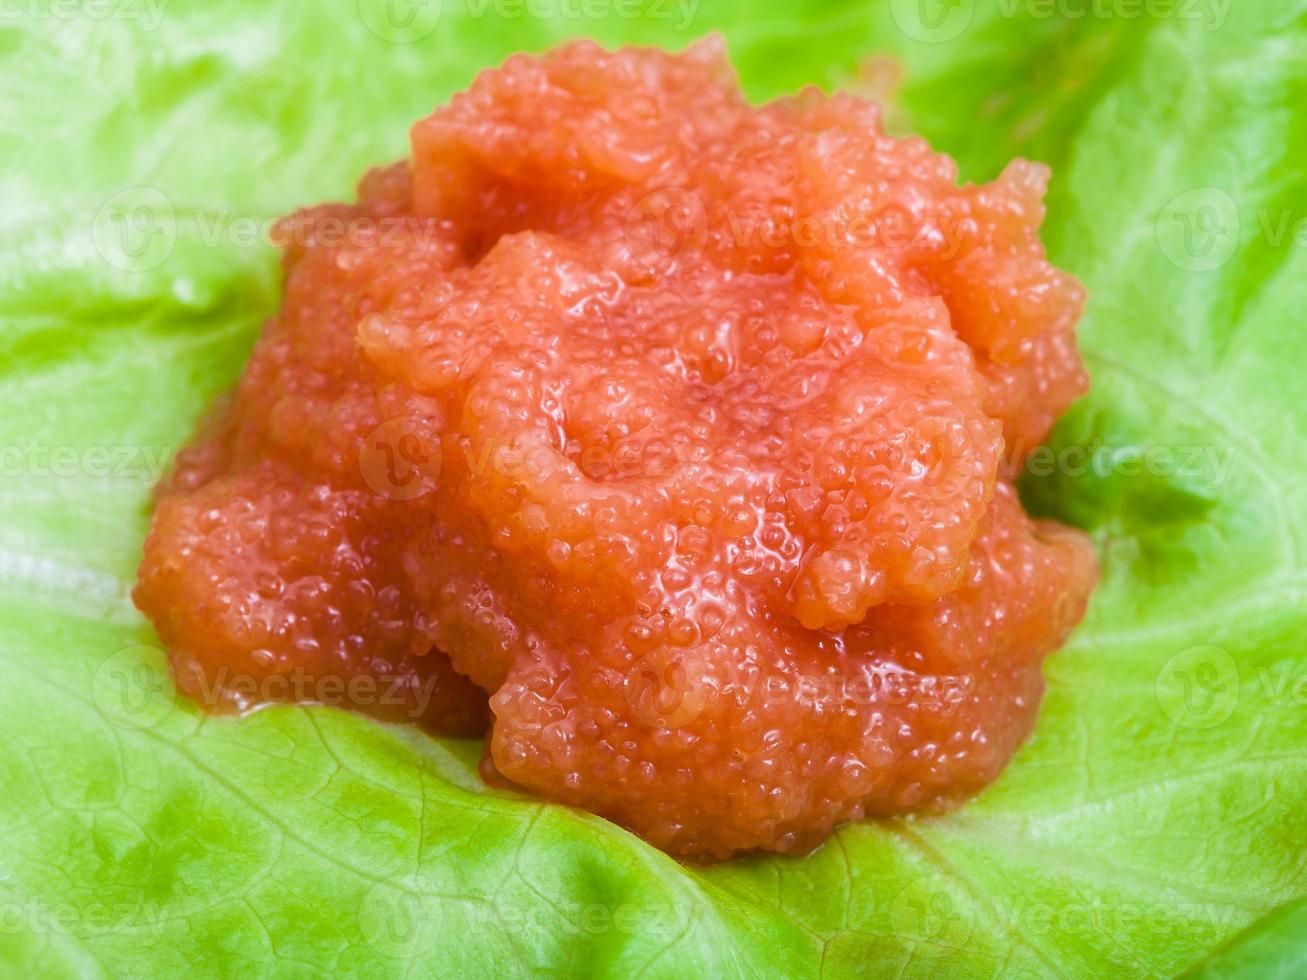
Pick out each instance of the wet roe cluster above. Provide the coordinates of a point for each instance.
(659, 436)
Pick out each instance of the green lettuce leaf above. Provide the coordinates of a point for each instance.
(1270, 949)
(1156, 822)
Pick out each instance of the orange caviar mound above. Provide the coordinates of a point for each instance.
(674, 427)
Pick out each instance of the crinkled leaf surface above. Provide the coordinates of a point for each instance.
(1157, 821)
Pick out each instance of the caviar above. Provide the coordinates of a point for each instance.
(670, 430)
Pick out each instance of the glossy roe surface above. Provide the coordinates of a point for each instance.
(670, 430)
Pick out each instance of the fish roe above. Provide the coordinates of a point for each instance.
(664, 438)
